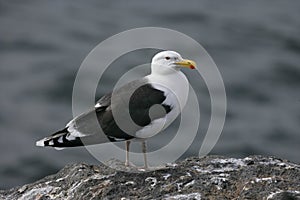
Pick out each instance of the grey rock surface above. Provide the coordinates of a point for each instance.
(212, 177)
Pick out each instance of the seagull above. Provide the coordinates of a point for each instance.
(135, 111)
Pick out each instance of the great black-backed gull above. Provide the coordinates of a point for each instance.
(155, 101)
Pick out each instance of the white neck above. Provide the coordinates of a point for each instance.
(175, 81)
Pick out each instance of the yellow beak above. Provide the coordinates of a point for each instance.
(186, 63)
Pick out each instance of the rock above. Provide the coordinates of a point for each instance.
(211, 177)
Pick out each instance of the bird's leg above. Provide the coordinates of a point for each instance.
(127, 144)
(144, 149)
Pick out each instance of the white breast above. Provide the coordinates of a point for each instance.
(176, 96)
(177, 86)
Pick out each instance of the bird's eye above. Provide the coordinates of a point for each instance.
(167, 58)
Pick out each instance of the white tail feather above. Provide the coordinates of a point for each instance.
(59, 148)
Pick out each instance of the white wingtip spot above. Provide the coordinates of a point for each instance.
(98, 105)
(40, 143)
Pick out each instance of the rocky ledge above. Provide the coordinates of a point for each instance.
(211, 177)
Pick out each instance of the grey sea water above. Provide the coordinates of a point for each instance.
(256, 45)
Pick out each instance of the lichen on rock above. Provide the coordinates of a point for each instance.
(211, 177)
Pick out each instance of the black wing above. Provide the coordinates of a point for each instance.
(99, 125)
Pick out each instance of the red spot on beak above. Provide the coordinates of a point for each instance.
(192, 67)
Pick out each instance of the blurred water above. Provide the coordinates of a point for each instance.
(256, 45)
